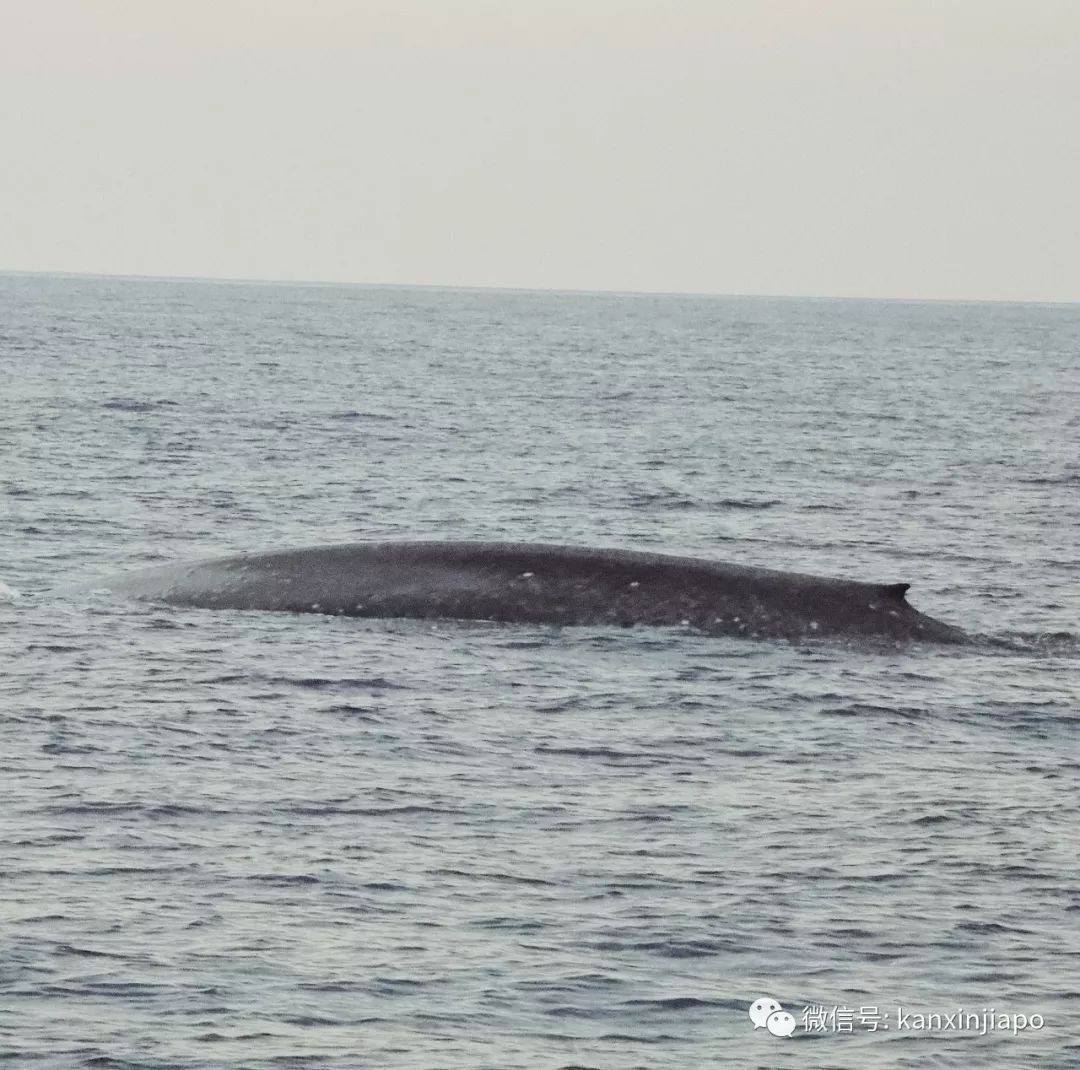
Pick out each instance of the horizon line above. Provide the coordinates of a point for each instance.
(254, 281)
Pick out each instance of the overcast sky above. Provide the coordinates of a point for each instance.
(925, 148)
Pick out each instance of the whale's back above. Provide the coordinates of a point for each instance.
(537, 583)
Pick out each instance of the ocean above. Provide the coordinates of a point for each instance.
(243, 841)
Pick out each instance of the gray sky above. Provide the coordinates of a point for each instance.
(925, 148)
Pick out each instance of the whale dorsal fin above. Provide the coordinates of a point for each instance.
(896, 590)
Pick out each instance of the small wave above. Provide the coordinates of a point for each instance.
(87, 952)
(984, 927)
(569, 1011)
(309, 1021)
(748, 503)
(354, 414)
(319, 683)
(1067, 643)
(870, 709)
(284, 880)
(350, 709)
(118, 989)
(668, 499)
(672, 949)
(8, 594)
(632, 1038)
(610, 754)
(673, 1003)
(1065, 479)
(366, 811)
(137, 404)
(592, 752)
(310, 683)
(61, 747)
(500, 878)
(932, 819)
(120, 809)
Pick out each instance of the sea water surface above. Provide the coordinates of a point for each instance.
(242, 841)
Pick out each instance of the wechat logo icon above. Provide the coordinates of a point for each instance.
(766, 1013)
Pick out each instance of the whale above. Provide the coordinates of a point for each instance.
(539, 583)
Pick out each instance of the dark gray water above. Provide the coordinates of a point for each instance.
(249, 841)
